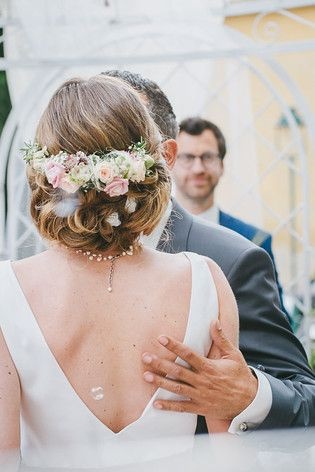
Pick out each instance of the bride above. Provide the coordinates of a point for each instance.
(77, 320)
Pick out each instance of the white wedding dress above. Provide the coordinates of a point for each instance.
(57, 428)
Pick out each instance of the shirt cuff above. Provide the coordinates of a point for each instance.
(255, 413)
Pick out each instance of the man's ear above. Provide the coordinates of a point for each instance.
(170, 152)
(222, 167)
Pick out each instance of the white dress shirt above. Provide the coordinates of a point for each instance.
(211, 214)
(257, 411)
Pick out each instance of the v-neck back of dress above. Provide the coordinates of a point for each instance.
(57, 428)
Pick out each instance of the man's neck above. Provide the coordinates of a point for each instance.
(195, 207)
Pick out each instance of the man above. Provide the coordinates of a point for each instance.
(281, 392)
(197, 172)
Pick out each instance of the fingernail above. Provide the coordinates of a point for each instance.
(147, 359)
(219, 328)
(158, 405)
(163, 340)
(148, 377)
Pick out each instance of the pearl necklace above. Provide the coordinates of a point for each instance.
(99, 258)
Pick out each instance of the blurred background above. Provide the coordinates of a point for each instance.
(248, 66)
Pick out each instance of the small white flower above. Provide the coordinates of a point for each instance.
(41, 153)
(131, 205)
(113, 219)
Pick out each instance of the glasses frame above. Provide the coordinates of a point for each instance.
(208, 159)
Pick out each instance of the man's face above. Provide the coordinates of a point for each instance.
(198, 167)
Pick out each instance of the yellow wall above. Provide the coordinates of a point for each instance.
(275, 188)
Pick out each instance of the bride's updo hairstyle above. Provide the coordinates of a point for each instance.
(93, 116)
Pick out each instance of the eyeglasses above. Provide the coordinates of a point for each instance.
(208, 159)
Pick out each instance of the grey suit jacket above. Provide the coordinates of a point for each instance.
(266, 339)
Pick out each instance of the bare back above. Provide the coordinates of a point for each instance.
(98, 337)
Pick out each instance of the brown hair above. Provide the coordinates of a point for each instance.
(94, 115)
(196, 125)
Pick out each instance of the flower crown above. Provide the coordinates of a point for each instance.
(108, 172)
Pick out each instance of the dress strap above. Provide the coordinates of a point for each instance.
(17, 321)
(204, 304)
(9, 305)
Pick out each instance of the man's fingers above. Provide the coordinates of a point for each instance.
(169, 368)
(221, 341)
(179, 406)
(184, 352)
(170, 385)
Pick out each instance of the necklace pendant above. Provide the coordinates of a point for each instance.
(111, 258)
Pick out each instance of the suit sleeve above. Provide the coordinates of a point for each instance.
(268, 343)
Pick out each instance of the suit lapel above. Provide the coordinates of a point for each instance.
(175, 235)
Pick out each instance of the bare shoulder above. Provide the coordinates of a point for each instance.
(28, 267)
(175, 261)
(28, 262)
(176, 270)
(215, 269)
(228, 311)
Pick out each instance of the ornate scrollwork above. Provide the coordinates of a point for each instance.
(268, 31)
(265, 31)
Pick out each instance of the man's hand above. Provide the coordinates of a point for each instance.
(218, 388)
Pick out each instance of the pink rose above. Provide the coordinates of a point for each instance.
(54, 173)
(117, 187)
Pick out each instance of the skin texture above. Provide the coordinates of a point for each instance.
(195, 186)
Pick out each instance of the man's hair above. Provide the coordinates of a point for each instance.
(196, 125)
(157, 102)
